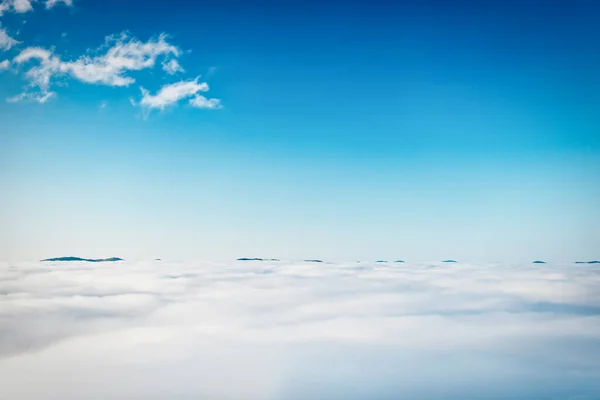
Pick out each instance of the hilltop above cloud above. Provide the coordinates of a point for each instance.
(111, 259)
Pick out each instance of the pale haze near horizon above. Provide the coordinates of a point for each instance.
(558, 225)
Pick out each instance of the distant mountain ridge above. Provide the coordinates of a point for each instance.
(84, 259)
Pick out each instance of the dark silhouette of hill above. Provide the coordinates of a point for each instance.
(111, 259)
(594, 262)
(539, 262)
(316, 261)
(449, 261)
(399, 261)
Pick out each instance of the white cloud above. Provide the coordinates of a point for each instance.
(52, 3)
(200, 101)
(120, 55)
(41, 97)
(297, 330)
(6, 42)
(111, 64)
(123, 54)
(40, 76)
(18, 6)
(172, 93)
(31, 53)
(172, 67)
(4, 65)
(23, 6)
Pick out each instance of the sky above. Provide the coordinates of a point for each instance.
(350, 130)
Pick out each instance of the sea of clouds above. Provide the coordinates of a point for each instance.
(296, 330)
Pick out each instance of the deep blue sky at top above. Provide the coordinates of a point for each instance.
(338, 116)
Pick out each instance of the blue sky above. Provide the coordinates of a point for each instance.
(345, 130)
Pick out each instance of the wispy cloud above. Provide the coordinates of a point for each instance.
(33, 53)
(6, 41)
(119, 55)
(41, 97)
(23, 6)
(39, 76)
(123, 54)
(172, 93)
(52, 3)
(110, 64)
(17, 6)
(4, 65)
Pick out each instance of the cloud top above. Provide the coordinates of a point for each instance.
(298, 330)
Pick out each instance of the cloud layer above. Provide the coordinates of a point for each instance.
(299, 330)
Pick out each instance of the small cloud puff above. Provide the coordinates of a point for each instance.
(52, 3)
(200, 101)
(172, 67)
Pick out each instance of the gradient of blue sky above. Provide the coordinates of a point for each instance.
(349, 130)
